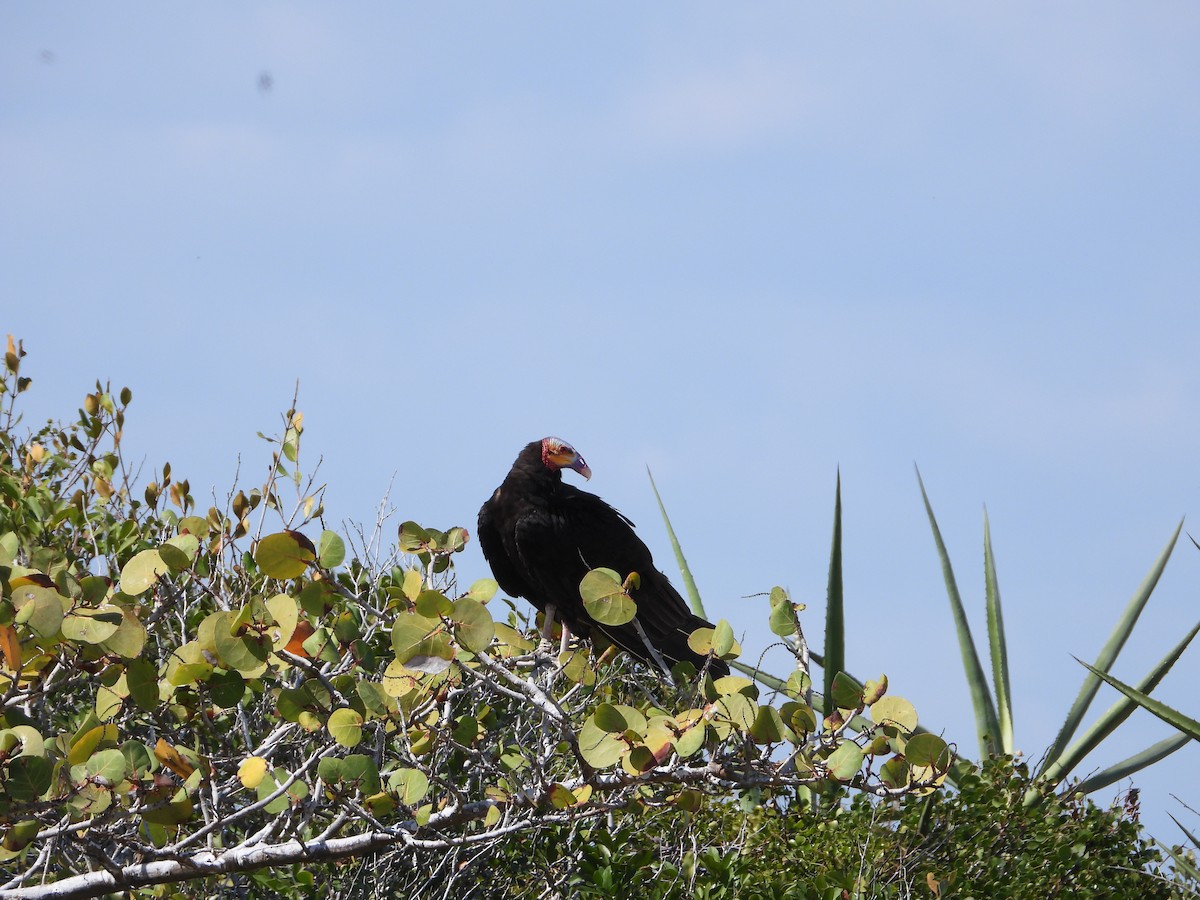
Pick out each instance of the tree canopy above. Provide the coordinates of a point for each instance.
(251, 696)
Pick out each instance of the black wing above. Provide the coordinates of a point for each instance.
(557, 547)
(490, 531)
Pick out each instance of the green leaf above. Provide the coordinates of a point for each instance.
(285, 555)
(21, 835)
(107, 764)
(1070, 758)
(360, 772)
(129, 639)
(736, 709)
(845, 761)
(227, 688)
(483, 590)
(421, 643)
(723, 640)
(618, 719)
(194, 525)
(1108, 654)
(692, 731)
(703, 641)
(413, 538)
(345, 726)
(8, 548)
(179, 810)
(927, 750)
(894, 711)
(331, 549)
(689, 583)
(783, 613)
(996, 640)
(987, 724)
(142, 680)
(179, 552)
(605, 598)
(768, 727)
(92, 626)
(835, 619)
(474, 627)
(141, 572)
(846, 692)
(577, 666)
(88, 740)
(271, 783)
(895, 772)
(560, 796)
(411, 785)
(735, 684)
(245, 652)
(29, 777)
(599, 747)
(1173, 717)
(27, 737)
(39, 608)
(286, 613)
(432, 604)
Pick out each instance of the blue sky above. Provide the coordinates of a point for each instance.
(743, 246)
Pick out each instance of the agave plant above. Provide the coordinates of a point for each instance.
(992, 699)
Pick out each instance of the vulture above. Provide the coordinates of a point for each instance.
(541, 535)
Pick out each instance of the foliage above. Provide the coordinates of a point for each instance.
(994, 717)
(980, 841)
(234, 691)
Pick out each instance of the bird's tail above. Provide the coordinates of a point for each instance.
(670, 642)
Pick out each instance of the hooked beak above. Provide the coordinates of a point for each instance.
(581, 467)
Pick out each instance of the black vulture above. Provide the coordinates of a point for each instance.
(541, 535)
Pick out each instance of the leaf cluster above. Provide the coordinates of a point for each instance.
(186, 692)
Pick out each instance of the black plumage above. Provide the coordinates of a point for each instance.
(541, 535)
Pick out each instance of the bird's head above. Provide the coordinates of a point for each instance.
(558, 454)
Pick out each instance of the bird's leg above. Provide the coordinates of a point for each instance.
(653, 650)
(566, 639)
(546, 645)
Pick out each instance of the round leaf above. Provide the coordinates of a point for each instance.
(894, 711)
(617, 719)
(474, 625)
(345, 725)
(39, 608)
(284, 555)
(605, 598)
(600, 748)
(331, 549)
(92, 626)
(227, 688)
(411, 785)
(108, 765)
(845, 761)
(927, 750)
(29, 777)
(129, 639)
(141, 572)
(768, 727)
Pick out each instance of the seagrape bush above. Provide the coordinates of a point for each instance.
(238, 693)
